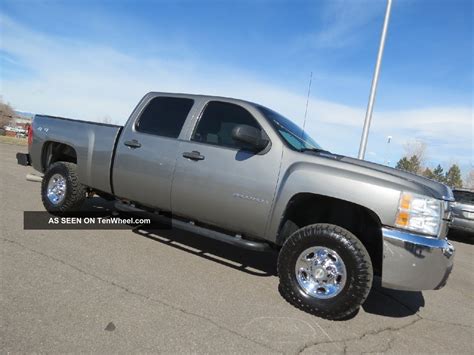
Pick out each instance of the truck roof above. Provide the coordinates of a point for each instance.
(201, 96)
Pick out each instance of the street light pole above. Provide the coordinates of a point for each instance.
(373, 89)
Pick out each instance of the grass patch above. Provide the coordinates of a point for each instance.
(13, 140)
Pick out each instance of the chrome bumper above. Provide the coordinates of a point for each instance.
(463, 224)
(413, 262)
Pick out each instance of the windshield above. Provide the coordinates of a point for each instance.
(464, 196)
(289, 131)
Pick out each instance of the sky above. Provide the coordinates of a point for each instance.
(94, 60)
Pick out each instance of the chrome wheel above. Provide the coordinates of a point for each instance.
(320, 272)
(56, 189)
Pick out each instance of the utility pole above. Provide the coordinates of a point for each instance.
(373, 89)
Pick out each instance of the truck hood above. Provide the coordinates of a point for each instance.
(438, 190)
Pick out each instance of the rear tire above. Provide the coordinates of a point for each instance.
(61, 191)
(325, 270)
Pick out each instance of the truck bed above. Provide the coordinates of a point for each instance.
(93, 143)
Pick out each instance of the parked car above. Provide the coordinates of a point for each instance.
(463, 210)
(244, 174)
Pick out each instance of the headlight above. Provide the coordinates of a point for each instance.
(419, 213)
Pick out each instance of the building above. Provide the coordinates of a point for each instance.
(19, 125)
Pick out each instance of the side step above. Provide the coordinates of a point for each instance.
(34, 178)
(190, 227)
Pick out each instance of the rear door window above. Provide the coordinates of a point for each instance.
(164, 116)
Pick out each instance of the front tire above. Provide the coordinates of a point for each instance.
(61, 191)
(325, 270)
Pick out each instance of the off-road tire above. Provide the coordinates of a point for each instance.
(75, 191)
(357, 262)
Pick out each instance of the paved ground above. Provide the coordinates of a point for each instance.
(110, 291)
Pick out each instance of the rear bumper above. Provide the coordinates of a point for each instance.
(414, 262)
(23, 159)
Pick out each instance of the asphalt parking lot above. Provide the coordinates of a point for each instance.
(174, 292)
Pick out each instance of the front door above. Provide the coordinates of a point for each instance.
(219, 183)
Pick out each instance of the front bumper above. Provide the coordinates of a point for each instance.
(414, 262)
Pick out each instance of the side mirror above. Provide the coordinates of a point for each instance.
(250, 136)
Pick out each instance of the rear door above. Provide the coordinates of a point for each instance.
(145, 156)
(218, 182)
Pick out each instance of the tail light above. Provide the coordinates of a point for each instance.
(30, 135)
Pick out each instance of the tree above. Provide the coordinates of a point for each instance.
(453, 177)
(428, 174)
(411, 165)
(6, 113)
(403, 164)
(415, 163)
(416, 148)
(438, 174)
(469, 182)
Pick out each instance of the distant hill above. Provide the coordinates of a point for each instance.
(26, 115)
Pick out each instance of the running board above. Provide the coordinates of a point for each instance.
(34, 178)
(191, 227)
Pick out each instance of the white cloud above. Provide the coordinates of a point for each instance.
(341, 22)
(86, 81)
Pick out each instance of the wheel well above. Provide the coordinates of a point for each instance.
(306, 208)
(54, 151)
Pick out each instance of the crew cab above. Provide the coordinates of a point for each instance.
(244, 174)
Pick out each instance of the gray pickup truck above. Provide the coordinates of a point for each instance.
(244, 174)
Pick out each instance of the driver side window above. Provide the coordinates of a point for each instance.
(217, 122)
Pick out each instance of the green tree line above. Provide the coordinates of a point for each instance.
(451, 177)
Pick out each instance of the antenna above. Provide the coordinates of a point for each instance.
(307, 101)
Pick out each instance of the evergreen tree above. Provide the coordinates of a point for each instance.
(438, 174)
(415, 164)
(411, 165)
(403, 164)
(453, 177)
